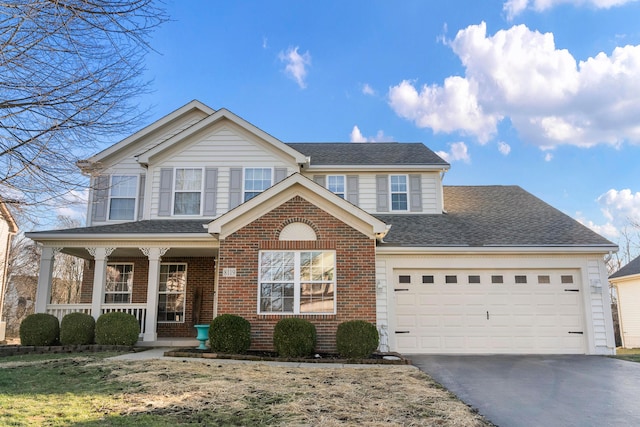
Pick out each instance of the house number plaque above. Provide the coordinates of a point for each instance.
(229, 272)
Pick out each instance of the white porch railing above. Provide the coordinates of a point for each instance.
(61, 310)
(139, 311)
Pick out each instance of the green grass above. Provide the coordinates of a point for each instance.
(75, 389)
(630, 354)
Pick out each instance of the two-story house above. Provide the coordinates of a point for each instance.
(8, 228)
(202, 213)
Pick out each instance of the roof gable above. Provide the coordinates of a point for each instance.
(297, 185)
(193, 111)
(213, 120)
(5, 214)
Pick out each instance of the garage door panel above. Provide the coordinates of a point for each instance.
(522, 317)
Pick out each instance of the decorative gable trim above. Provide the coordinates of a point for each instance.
(213, 119)
(297, 185)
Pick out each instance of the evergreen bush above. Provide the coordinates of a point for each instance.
(117, 328)
(293, 337)
(356, 339)
(39, 329)
(229, 333)
(77, 329)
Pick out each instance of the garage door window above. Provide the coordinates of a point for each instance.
(497, 279)
(544, 280)
(427, 279)
(521, 279)
(404, 279)
(451, 279)
(294, 282)
(566, 279)
(474, 279)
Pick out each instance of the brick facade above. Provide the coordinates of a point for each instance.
(355, 271)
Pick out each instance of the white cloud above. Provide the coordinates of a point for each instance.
(515, 7)
(458, 151)
(548, 157)
(296, 65)
(620, 208)
(549, 97)
(356, 136)
(368, 90)
(504, 148)
(448, 108)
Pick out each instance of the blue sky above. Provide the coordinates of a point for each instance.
(544, 94)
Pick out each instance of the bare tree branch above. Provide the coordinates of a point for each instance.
(70, 72)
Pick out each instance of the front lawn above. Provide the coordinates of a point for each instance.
(89, 390)
(630, 354)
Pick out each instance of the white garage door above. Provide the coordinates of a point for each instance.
(488, 312)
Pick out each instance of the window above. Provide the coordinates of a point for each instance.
(187, 192)
(122, 197)
(398, 192)
(427, 279)
(521, 279)
(118, 284)
(450, 279)
(496, 279)
(566, 279)
(335, 184)
(256, 180)
(474, 279)
(544, 279)
(404, 279)
(297, 282)
(172, 292)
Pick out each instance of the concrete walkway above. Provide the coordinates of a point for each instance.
(158, 353)
(532, 391)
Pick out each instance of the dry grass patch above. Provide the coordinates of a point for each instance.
(259, 394)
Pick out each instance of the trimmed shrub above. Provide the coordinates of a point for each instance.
(229, 333)
(39, 329)
(356, 339)
(117, 328)
(293, 337)
(77, 329)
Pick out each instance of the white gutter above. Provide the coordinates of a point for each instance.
(337, 168)
(37, 237)
(404, 250)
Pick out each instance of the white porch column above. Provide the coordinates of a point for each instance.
(43, 292)
(155, 257)
(99, 277)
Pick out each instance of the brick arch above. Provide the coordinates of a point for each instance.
(301, 220)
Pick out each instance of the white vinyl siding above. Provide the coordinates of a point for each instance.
(628, 300)
(223, 148)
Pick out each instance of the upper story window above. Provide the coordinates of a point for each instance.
(256, 180)
(187, 191)
(398, 185)
(335, 184)
(122, 197)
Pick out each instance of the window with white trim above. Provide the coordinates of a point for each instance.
(172, 292)
(118, 284)
(297, 282)
(122, 197)
(336, 184)
(187, 191)
(399, 189)
(256, 180)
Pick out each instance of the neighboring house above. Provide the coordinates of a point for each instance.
(8, 229)
(202, 213)
(627, 285)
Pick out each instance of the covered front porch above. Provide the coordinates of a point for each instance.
(167, 285)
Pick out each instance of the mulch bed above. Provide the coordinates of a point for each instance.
(376, 358)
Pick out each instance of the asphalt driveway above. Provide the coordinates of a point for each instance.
(513, 391)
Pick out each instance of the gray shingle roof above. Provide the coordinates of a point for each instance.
(490, 216)
(156, 226)
(379, 153)
(628, 270)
